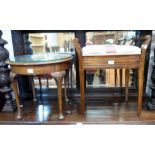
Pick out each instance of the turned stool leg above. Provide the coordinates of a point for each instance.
(116, 78)
(82, 92)
(140, 89)
(126, 84)
(120, 76)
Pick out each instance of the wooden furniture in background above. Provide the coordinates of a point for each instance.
(54, 64)
(120, 61)
(38, 42)
(119, 78)
(29, 51)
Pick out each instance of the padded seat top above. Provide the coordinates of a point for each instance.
(101, 50)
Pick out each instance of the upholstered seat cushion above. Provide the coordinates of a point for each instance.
(95, 50)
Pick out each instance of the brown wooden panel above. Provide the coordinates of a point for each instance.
(112, 61)
(39, 69)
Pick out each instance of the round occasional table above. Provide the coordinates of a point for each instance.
(56, 64)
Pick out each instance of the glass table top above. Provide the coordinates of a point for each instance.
(43, 57)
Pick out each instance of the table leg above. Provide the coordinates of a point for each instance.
(126, 84)
(116, 78)
(120, 76)
(15, 90)
(140, 90)
(40, 85)
(66, 85)
(71, 81)
(33, 89)
(58, 76)
(82, 104)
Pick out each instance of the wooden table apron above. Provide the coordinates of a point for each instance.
(111, 62)
(39, 68)
(36, 68)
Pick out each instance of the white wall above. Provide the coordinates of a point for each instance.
(52, 39)
(7, 36)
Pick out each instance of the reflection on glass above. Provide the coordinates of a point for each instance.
(54, 43)
(107, 77)
(41, 57)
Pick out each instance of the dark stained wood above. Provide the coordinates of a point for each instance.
(19, 49)
(18, 42)
(104, 112)
(8, 102)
